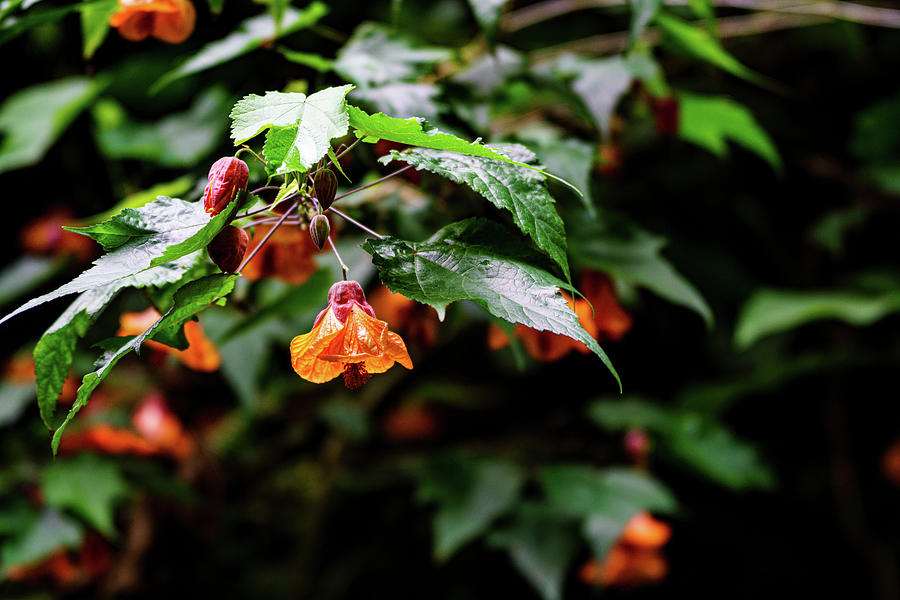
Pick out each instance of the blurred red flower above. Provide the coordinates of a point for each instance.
(636, 559)
(45, 235)
(200, 355)
(418, 321)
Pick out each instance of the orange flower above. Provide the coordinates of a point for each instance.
(636, 559)
(68, 569)
(108, 439)
(347, 338)
(890, 463)
(200, 355)
(288, 255)
(45, 235)
(419, 321)
(160, 426)
(171, 21)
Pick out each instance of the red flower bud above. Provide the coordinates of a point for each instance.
(228, 248)
(319, 230)
(325, 185)
(226, 177)
(665, 115)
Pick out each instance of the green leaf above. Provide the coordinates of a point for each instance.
(95, 24)
(89, 486)
(372, 128)
(308, 123)
(642, 12)
(521, 191)
(487, 14)
(582, 490)
(571, 158)
(32, 119)
(710, 121)
(600, 84)
(308, 59)
(701, 44)
(625, 252)
(173, 189)
(178, 140)
(775, 311)
(690, 440)
(478, 260)
(250, 35)
(704, 10)
(25, 274)
(162, 231)
(470, 493)
(50, 533)
(875, 130)
(376, 55)
(215, 6)
(13, 400)
(541, 545)
(190, 299)
(485, 75)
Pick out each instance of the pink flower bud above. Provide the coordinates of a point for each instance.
(226, 177)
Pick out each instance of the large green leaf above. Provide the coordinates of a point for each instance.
(635, 256)
(478, 260)
(88, 485)
(250, 35)
(775, 311)
(46, 535)
(690, 440)
(470, 493)
(523, 192)
(701, 44)
(151, 245)
(190, 299)
(178, 140)
(372, 128)
(541, 545)
(302, 126)
(14, 397)
(32, 119)
(599, 83)
(376, 55)
(711, 121)
(582, 490)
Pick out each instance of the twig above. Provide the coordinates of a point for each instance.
(344, 268)
(376, 182)
(607, 43)
(847, 11)
(268, 235)
(355, 222)
(349, 148)
(264, 188)
(267, 207)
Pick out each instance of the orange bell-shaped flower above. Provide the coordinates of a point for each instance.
(347, 338)
(171, 21)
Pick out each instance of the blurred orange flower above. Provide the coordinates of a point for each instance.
(607, 320)
(890, 463)
(45, 235)
(171, 21)
(157, 431)
(410, 423)
(288, 255)
(68, 569)
(347, 338)
(200, 355)
(636, 559)
(419, 321)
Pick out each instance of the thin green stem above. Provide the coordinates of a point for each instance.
(344, 268)
(355, 222)
(268, 235)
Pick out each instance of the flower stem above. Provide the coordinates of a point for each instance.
(246, 148)
(344, 268)
(264, 188)
(355, 222)
(268, 235)
(376, 182)
(349, 148)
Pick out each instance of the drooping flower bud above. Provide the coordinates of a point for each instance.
(319, 230)
(226, 177)
(227, 249)
(325, 184)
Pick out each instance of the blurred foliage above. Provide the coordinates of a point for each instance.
(728, 171)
